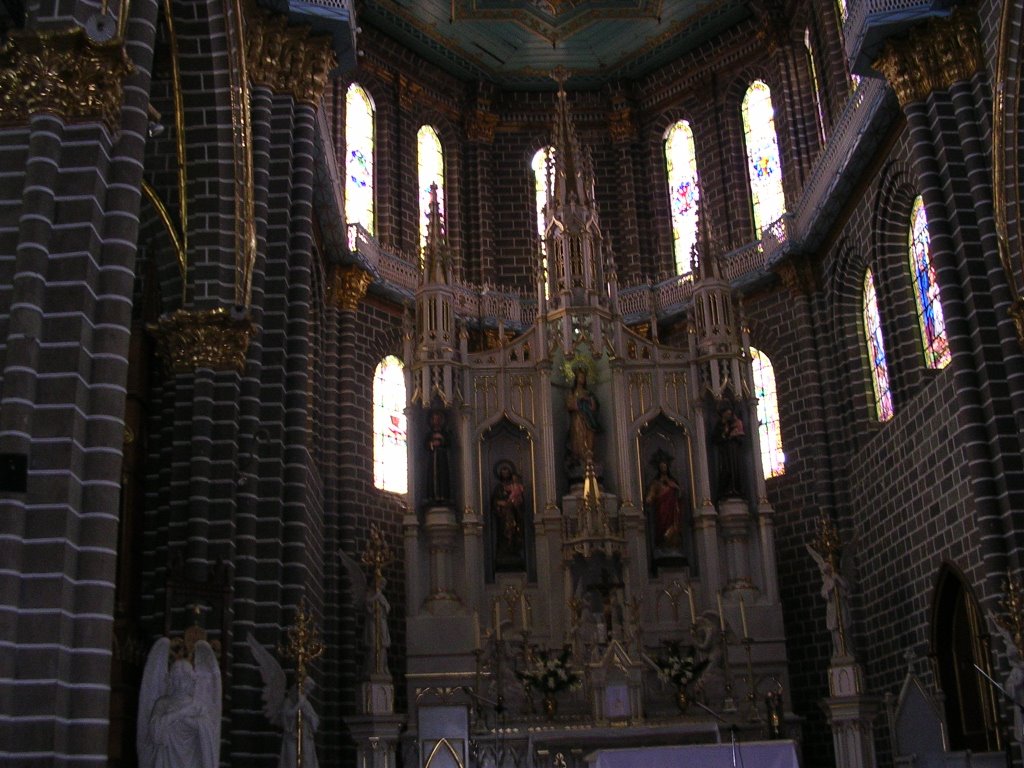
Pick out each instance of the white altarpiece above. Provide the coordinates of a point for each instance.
(604, 496)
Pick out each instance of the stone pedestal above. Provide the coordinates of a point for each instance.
(376, 739)
(442, 530)
(734, 519)
(850, 714)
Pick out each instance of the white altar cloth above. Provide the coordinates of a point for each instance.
(749, 754)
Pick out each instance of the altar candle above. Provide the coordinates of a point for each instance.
(522, 610)
(721, 612)
(743, 618)
(476, 630)
(497, 621)
(693, 608)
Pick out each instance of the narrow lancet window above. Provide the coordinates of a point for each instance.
(763, 166)
(430, 163)
(876, 350)
(359, 158)
(390, 457)
(684, 193)
(926, 290)
(773, 460)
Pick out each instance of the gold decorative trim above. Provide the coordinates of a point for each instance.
(932, 56)
(62, 72)
(621, 125)
(188, 339)
(346, 286)
(408, 93)
(480, 126)
(288, 59)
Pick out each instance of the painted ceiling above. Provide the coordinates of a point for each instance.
(516, 43)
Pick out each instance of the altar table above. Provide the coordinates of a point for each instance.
(749, 754)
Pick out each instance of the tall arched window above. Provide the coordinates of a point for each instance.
(926, 289)
(430, 163)
(958, 639)
(542, 182)
(684, 194)
(812, 68)
(876, 350)
(390, 460)
(359, 158)
(763, 166)
(773, 460)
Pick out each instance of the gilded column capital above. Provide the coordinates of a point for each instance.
(621, 125)
(287, 59)
(346, 286)
(62, 72)
(187, 339)
(480, 126)
(797, 276)
(408, 92)
(932, 56)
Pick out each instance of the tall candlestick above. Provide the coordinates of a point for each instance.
(497, 620)
(693, 608)
(721, 612)
(743, 618)
(522, 610)
(476, 630)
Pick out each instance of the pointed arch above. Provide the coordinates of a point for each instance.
(926, 290)
(684, 191)
(542, 160)
(359, 157)
(430, 170)
(764, 168)
(879, 366)
(958, 640)
(390, 430)
(773, 460)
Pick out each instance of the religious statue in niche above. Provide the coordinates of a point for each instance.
(508, 518)
(180, 708)
(438, 444)
(582, 406)
(730, 438)
(665, 500)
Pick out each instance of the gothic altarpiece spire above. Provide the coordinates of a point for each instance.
(587, 540)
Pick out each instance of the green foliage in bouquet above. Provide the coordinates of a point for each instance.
(550, 673)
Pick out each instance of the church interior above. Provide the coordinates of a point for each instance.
(511, 383)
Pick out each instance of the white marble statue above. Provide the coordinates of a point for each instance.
(282, 706)
(180, 709)
(836, 590)
(1013, 686)
(376, 634)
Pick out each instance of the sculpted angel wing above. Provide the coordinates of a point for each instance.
(816, 555)
(154, 685)
(208, 696)
(355, 575)
(274, 681)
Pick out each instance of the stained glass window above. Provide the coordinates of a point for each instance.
(876, 350)
(390, 460)
(541, 189)
(430, 159)
(819, 108)
(359, 158)
(773, 460)
(926, 289)
(684, 194)
(763, 166)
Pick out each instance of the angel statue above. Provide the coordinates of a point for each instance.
(282, 706)
(376, 635)
(836, 591)
(180, 709)
(1013, 686)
